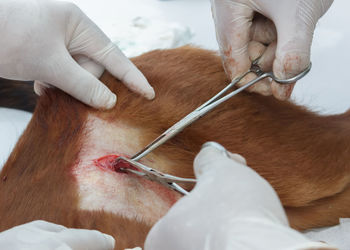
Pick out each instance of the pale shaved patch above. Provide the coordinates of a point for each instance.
(122, 194)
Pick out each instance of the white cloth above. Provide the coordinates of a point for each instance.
(12, 124)
(231, 207)
(139, 35)
(338, 236)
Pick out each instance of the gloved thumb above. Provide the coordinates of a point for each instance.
(294, 43)
(292, 57)
(86, 239)
(213, 156)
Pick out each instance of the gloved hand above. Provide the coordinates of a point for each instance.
(231, 207)
(244, 37)
(42, 235)
(39, 39)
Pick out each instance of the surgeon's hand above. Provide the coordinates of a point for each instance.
(243, 36)
(231, 207)
(55, 43)
(42, 235)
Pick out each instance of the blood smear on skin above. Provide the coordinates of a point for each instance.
(108, 162)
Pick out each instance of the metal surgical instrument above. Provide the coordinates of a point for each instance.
(202, 110)
(155, 175)
(212, 103)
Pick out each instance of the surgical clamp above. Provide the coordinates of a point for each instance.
(192, 117)
(155, 175)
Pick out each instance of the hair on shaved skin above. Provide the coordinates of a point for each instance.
(303, 155)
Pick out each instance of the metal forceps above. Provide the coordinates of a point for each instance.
(151, 174)
(192, 117)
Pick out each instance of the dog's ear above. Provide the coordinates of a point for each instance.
(17, 95)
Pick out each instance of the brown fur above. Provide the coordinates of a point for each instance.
(17, 95)
(304, 156)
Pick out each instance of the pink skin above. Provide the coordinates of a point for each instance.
(109, 163)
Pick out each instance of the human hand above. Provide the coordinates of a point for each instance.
(244, 37)
(40, 38)
(42, 235)
(231, 207)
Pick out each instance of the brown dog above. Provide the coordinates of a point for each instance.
(59, 171)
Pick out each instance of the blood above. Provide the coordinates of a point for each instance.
(109, 162)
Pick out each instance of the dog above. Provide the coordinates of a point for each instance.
(60, 170)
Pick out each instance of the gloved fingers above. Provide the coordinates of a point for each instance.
(39, 87)
(262, 87)
(265, 62)
(237, 157)
(79, 83)
(255, 50)
(233, 21)
(288, 64)
(293, 47)
(89, 65)
(263, 30)
(49, 235)
(292, 57)
(282, 91)
(82, 239)
(233, 27)
(210, 158)
(90, 41)
(46, 226)
(127, 72)
(265, 58)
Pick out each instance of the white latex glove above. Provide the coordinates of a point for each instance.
(38, 40)
(231, 207)
(42, 235)
(243, 39)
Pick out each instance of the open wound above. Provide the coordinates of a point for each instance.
(110, 162)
